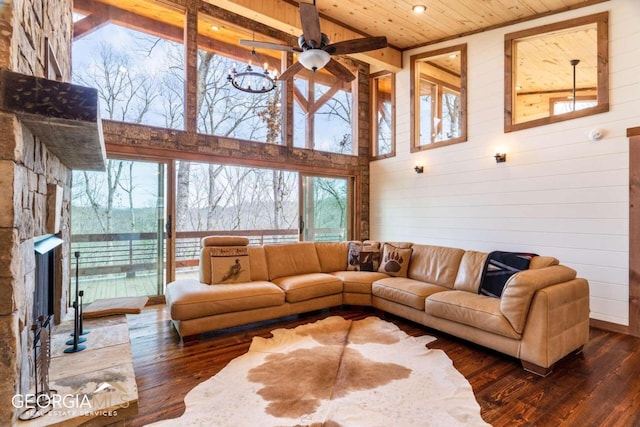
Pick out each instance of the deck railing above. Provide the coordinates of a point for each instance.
(129, 253)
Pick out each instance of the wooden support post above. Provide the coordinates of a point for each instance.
(191, 67)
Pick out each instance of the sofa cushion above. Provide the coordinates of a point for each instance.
(190, 299)
(475, 310)
(363, 256)
(291, 259)
(307, 286)
(435, 264)
(257, 262)
(470, 271)
(358, 282)
(395, 260)
(332, 256)
(230, 265)
(405, 291)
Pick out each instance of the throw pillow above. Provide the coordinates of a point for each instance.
(498, 268)
(230, 264)
(363, 257)
(395, 261)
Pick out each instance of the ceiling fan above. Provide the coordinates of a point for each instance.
(315, 50)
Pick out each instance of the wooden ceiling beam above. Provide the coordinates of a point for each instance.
(88, 24)
(284, 16)
(130, 20)
(105, 13)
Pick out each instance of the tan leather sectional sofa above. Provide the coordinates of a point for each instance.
(542, 315)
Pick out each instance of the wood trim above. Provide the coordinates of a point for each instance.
(602, 21)
(140, 141)
(316, 105)
(373, 105)
(634, 235)
(609, 326)
(633, 132)
(104, 14)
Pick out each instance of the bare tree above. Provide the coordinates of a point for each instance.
(272, 117)
(126, 94)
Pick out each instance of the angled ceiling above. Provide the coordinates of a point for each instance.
(348, 19)
(443, 19)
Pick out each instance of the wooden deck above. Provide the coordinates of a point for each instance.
(121, 286)
(599, 387)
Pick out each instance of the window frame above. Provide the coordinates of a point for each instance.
(416, 146)
(602, 51)
(374, 115)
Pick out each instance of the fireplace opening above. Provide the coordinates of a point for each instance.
(45, 274)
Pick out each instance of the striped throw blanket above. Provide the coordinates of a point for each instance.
(499, 267)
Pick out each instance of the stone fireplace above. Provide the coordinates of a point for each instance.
(44, 128)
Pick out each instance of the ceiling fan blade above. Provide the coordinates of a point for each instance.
(339, 70)
(291, 71)
(310, 24)
(357, 45)
(272, 46)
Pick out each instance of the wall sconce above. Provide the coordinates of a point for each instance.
(501, 157)
(419, 169)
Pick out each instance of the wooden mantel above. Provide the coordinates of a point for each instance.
(64, 116)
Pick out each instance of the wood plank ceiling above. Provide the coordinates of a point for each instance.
(443, 19)
(340, 19)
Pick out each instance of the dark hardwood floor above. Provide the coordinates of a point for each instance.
(598, 387)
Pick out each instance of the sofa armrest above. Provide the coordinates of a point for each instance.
(521, 287)
(558, 323)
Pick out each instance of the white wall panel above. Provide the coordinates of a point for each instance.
(558, 193)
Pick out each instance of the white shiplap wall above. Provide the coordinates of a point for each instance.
(558, 194)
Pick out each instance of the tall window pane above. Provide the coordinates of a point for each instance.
(226, 111)
(139, 77)
(323, 112)
(383, 114)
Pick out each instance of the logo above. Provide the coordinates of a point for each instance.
(103, 401)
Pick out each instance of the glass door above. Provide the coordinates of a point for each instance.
(118, 229)
(325, 208)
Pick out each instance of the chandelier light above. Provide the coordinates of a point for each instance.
(253, 81)
(314, 59)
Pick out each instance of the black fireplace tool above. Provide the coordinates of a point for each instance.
(77, 317)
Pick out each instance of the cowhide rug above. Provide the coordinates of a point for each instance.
(335, 372)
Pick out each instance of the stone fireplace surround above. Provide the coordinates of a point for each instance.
(23, 217)
(35, 40)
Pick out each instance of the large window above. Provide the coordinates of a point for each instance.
(139, 77)
(325, 206)
(226, 111)
(323, 113)
(139, 224)
(117, 229)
